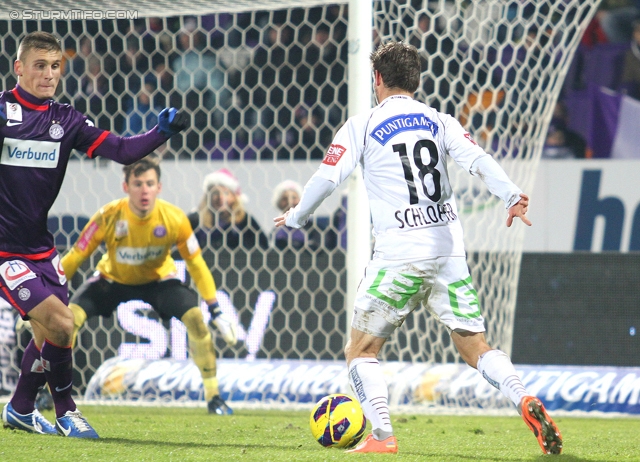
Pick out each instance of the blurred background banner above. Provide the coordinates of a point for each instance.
(567, 388)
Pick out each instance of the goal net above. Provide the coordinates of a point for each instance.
(267, 90)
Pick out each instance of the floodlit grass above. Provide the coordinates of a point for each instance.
(186, 434)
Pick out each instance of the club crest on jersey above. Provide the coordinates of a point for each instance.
(160, 231)
(122, 228)
(470, 138)
(24, 294)
(15, 272)
(56, 131)
(334, 154)
(14, 112)
(389, 128)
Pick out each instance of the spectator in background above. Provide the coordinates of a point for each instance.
(630, 81)
(195, 68)
(562, 142)
(142, 115)
(594, 33)
(75, 68)
(285, 196)
(555, 144)
(616, 18)
(221, 219)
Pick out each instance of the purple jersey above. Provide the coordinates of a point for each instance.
(36, 144)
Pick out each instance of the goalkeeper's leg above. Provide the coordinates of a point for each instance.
(204, 356)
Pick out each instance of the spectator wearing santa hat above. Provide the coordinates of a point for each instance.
(221, 219)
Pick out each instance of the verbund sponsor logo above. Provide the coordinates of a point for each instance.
(26, 153)
(139, 255)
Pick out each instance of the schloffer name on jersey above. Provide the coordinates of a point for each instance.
(421, 217)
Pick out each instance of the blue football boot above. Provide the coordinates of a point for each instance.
(33, 422)
(73, 425)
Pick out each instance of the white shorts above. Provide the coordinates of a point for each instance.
(390, 290)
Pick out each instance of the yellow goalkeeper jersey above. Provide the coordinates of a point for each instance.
(139, 250)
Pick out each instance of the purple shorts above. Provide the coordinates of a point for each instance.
(26, 283)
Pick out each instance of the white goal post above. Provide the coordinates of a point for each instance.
(268, 85)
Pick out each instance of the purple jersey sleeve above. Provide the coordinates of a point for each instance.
(97, 142)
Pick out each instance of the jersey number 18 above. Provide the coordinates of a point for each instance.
(424, 170)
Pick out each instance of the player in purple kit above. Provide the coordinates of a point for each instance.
(37, 136)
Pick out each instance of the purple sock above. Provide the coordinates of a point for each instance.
(31, 380)
(58, 368)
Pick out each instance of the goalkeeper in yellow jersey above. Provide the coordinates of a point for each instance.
(139, 232)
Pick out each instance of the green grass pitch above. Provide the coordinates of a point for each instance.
(190, 434)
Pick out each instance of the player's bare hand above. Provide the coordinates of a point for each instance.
(282, 219)
(519, 210)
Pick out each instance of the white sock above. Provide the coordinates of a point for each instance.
(497, 369)
(367, 383)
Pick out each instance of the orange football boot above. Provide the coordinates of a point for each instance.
(370, 444)
(541, 424)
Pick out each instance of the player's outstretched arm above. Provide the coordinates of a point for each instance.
(171, 121)
(519, 209)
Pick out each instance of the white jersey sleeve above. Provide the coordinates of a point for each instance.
(315, 191)
(340, 160)
(345, 151)
(471, 157)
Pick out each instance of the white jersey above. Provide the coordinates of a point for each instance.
(402, 146)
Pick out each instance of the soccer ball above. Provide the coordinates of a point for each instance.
(337, 421)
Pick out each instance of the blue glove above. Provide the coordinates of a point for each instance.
(171, 121)
(3, 116)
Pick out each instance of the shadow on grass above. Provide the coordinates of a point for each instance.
(540, 457)
(191, 445)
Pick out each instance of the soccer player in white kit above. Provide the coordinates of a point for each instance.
(419, 254)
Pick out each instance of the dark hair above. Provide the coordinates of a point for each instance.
(399, 65)
(38, 41)
(141, 166)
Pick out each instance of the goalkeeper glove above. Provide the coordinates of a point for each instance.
(172, 121)
(224, 324)
(3, 116)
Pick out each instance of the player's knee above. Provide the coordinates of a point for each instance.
(61, 327)
(354, 350)
(194, 322)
